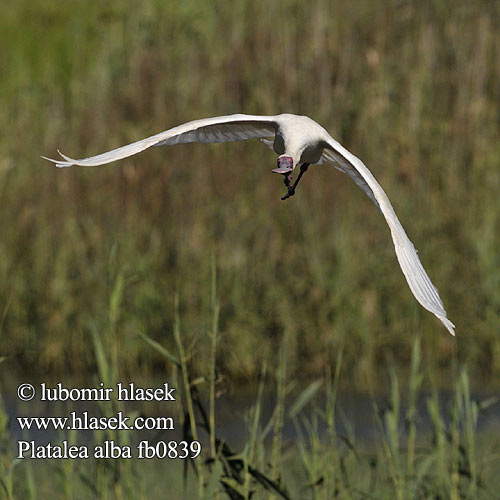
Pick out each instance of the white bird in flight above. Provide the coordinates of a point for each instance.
(298, 140)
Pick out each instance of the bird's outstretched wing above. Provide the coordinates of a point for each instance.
(420, 284)
(218, 129)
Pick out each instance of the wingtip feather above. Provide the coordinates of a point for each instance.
(49, 159)
(448, 324)
(59, 163)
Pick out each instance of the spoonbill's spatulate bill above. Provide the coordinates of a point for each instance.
(299, 141)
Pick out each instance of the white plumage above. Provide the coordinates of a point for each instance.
(299, 140)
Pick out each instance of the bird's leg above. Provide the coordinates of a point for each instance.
(288, 178)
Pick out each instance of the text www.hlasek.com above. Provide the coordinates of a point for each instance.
(83, 421)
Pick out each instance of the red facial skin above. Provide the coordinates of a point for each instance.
(285, 165)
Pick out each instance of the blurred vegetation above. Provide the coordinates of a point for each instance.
(411, 88)
(449, 458)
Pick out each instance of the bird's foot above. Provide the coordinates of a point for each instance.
(288, 179)
(291, 192)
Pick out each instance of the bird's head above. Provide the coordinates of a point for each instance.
(285, 165)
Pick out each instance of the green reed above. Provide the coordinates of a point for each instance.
(449, 459)
(410, 90)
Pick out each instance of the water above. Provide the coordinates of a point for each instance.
(355, 413)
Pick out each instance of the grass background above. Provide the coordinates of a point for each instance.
(412, 89)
